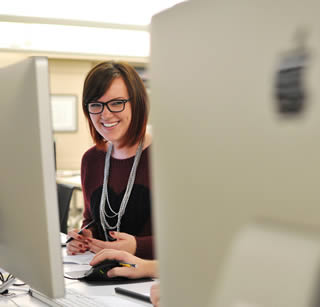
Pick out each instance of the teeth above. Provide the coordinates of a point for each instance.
(110, 125)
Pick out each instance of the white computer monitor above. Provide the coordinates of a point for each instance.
(29, 223)
(229, 151)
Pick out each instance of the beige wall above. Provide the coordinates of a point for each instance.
(67, 77)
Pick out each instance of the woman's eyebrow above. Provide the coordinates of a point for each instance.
(117, 98)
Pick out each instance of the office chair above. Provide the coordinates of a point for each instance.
(64, 197)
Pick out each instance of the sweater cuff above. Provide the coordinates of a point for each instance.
(145, 247)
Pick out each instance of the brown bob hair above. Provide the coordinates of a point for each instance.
(98, 81)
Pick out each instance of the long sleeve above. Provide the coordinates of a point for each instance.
(145, 248)
(86, 210)
(91, 165)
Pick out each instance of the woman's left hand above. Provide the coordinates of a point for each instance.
(124, 242)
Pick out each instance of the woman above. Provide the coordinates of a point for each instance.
(115, 172)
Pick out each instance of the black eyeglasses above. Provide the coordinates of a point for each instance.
(114, 106)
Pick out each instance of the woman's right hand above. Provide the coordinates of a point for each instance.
(79, 244)
(144, 268)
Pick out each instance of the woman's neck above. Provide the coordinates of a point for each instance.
(124, 152)
(128, 152)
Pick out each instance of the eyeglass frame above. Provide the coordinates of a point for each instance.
(105, 104)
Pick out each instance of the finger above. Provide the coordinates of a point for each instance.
(72, 245)
(72, 250)
(121, 272)
(109, 254)
(81, 238)
(77, 246)
(82, 246)
(94, 249)
(77, 237)
(96, 242)
(119, 235)
(98, 255)
(155, 294)
(103, 254)
(115, 245)
(72, 233)
(86, 233)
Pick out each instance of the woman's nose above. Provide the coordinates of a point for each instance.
(105, 112)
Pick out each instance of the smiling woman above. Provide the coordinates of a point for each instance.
(115, 172)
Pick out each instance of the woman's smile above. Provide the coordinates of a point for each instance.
(110, 125)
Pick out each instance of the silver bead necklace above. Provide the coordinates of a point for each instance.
(104, 195)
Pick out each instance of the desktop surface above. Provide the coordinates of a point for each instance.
(69, 177)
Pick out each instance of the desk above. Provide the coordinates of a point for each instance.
(71, 180)
(25, 300)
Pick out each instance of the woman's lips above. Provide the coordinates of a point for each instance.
(109, 125)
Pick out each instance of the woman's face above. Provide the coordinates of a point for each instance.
(113, 126)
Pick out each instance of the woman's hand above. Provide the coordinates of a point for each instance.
(144, 268)
(80, 242)
(155, 295)
(124, 242)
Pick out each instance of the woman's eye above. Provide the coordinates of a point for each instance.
(95, 105)
(116, 103)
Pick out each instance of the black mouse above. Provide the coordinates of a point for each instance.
(99, 271)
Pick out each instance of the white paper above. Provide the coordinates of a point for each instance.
(115, 301)
(63, 238)
(84, 258)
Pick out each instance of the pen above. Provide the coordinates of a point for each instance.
(133, 294)
(128, 265)
(80, 231)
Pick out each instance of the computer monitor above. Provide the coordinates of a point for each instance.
(29, 224)
(235, 103)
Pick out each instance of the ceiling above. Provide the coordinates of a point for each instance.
(79, 28)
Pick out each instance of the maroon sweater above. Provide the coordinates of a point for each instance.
(137, 217)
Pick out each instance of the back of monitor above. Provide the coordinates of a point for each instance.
(29, 221)
(225, 154)
(270, 264)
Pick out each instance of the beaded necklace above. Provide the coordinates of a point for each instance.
(104, 195)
